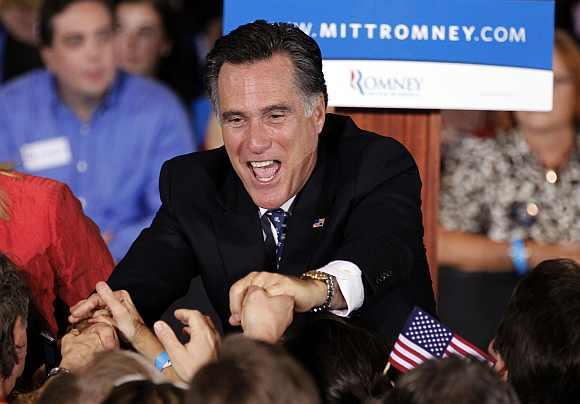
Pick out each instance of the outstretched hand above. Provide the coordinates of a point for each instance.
(202, 347)
(120, 312)
(85, 308)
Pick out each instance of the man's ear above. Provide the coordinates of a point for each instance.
(499, 366)
(319, 113)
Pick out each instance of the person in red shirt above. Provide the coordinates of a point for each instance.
(44, 232)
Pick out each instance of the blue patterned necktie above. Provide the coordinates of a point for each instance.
(278, 218)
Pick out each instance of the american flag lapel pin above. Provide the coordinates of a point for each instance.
(319, 223)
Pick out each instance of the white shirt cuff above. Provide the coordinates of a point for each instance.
(349, 279)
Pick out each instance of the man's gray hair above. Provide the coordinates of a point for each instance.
(259, 41)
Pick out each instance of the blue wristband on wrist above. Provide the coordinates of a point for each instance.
(520, 256)
(162, 361)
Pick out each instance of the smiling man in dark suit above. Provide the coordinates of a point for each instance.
(297, 202)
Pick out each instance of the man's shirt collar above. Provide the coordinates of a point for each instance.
(285, 206)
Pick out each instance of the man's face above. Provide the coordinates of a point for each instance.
(81, 54)
(140, 40)
(270, 141)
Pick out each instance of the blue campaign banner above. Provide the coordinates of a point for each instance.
(515, 33)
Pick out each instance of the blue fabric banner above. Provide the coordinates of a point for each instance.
(515, 33)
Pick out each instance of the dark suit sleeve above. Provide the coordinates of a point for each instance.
(384, 236)
(160, 264)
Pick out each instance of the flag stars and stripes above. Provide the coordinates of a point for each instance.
(424, 338)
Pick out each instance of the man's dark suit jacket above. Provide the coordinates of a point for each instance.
(365, 186)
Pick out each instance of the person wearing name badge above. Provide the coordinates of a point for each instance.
(297, 202)
(509, 203)
(103, 132)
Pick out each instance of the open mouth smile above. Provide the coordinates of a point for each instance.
(264, 171)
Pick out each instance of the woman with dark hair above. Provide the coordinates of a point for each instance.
(509, 203)
(76, 349)
(14, 301)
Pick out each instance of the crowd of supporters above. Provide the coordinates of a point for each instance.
(536, 354)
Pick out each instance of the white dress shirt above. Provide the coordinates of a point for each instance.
(348, 275)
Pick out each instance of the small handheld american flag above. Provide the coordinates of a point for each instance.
(423, 338)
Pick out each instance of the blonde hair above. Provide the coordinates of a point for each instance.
(4, 201)
(108, 369)
(3, 205)
(93, 383)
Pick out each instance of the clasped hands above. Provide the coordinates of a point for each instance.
(116, 309)
(262, 303)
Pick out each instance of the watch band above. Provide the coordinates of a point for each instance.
(330, 288)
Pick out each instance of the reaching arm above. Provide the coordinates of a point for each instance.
(78, 253)
(473, 252)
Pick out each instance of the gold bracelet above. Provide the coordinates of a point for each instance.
(329, 281)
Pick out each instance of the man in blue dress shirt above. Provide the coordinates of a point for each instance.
(103, 132)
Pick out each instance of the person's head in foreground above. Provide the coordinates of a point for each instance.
(249, 371)
(268, 90)
(96, 381)
(144, 391)
(537, 345)
(451, 380)
(14, 299)
(344, 360)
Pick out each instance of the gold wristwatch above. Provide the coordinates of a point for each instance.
(330, 288)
